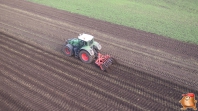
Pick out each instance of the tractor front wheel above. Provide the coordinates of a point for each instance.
(67, 50)
(85, 57)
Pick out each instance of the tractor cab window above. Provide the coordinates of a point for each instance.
(91, 42)
(86, 43)
(81, 43)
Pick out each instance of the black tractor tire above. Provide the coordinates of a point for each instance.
(68, 50)
(85, 57)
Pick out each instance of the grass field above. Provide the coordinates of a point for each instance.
(176, 19)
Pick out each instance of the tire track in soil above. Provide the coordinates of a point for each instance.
(41, 31)
(127, 71)
(44, 92)
(19, 68)
(23, 94)
(15, 103)
(23, 65)
(41, 71)
(81, 92)
(90, 88)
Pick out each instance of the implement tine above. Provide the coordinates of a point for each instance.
(104, 61)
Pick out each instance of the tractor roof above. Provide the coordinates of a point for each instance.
(85, 37)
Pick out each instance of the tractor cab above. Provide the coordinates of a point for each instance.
(86, 39)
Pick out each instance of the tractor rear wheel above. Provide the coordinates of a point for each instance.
(67, 50)
(85, 57)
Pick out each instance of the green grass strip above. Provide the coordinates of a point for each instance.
(177, 19)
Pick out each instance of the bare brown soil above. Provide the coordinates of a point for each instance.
(151, 74)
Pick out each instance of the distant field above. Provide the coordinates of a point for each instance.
(176, 19)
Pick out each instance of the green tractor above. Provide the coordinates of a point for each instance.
(85, 48)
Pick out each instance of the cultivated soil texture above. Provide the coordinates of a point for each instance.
(152, 71)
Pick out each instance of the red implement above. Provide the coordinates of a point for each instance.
(104, 61)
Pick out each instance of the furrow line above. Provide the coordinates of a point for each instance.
(4, 105)
(55, 74)
(154, 70)
(78, 96)
(78, 75)
(147, 69)
(90, 86)
(14, 105)
(125, 87)
(29, 32)
(18, 92)
(46, 93)
(150, 56)
(41, 21)
(148, 77)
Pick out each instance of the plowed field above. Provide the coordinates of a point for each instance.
(152, 71)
